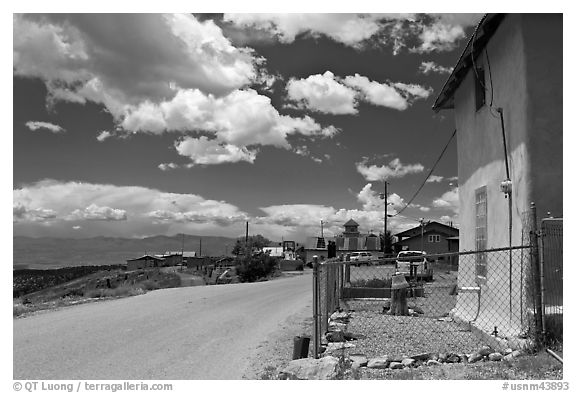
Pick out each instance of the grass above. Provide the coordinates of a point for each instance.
(373, 283)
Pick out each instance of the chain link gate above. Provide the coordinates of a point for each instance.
(447, 310)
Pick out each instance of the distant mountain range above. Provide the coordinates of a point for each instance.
(50, 253)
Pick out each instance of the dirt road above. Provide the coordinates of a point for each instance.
(207, 332)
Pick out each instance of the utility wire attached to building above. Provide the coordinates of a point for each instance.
(428, 176)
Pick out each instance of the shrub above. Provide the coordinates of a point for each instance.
(250, 269)
(373, 283)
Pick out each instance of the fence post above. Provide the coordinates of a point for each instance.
(535, 260)
(315, 302)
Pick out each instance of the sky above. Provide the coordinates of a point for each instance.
(134, 125)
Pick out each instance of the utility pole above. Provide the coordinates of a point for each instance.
(200, 251)
(385, 197)
(322, 229)
(246, 233)
(385, 213)
(422, 223)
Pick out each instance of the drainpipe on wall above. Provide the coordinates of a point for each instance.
(506, 188)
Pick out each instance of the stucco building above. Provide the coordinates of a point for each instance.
(506, 96)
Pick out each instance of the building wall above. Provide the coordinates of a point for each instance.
(415, 243)
(543, 33)
(534, 138)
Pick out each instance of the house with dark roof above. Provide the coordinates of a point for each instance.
(506, 95)
(144, 262)
(434, 238)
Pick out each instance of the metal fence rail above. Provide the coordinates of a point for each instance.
(447, 310)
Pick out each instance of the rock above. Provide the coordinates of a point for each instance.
(433, 362)
(442, 357)
(335, 336)
(475, 357)
(433, 356)
(422, 356)
(452, 358)
(334, 326)
(396, 366)
(309, 368)
(495, 357)
(418, 310)
(508, 358)
(340, 316)
(379, 362)
(463, 357)
(353, 336)
(508, 351)
(359, 359)
(331, 347)
(485, 350)
(516, 353)
(408, 362)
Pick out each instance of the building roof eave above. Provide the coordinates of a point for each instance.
(483, 32)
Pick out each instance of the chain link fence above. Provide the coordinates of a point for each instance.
(415, 304)
(551, 235)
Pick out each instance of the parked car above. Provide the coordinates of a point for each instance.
(414, 265)
(361, 258)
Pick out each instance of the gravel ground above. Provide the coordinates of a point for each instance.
(405, 336)
(275, 351)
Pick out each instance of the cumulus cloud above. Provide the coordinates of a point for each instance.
(116, 210)
(242, 118)
(439, 37)
(42, 125)
(189, 77)
(322, 93)
(98, 213)
(396, 95)
(204, 151)
(394, 169)
(371, 200)
(432, 32)
(103, 136)
(304, 220)
(166, 50)
(26, 213)
(168, 166)
(327, 93)
(349, 29)
(427, 67)
(435, 179)
(449, 200)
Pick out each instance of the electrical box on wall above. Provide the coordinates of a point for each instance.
(506, 187)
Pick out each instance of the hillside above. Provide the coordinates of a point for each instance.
(51, 253)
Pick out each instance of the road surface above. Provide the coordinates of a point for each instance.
(207, 332)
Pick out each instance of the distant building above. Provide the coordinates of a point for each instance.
(144, 262)
(171, 258)
(350, 240)
(434, 238)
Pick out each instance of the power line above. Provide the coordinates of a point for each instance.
(429, 174)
